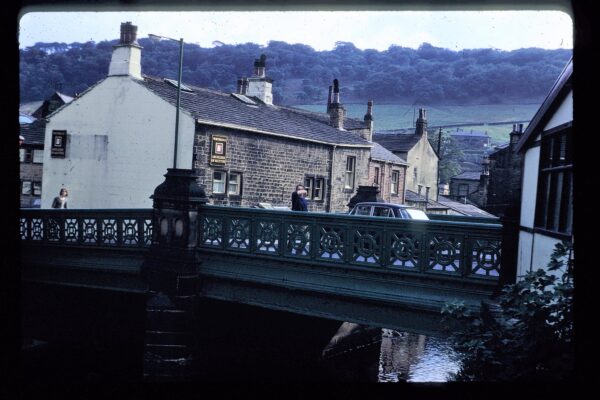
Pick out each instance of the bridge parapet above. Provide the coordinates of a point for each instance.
(127, 228)
(469, 250)
(466, 250)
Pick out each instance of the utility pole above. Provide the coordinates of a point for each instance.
(438, 167)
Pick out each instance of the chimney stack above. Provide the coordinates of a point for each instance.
(259, 85)
(427, 194)
(369, 119)
(421, 125)
(515, 135)
(127, 55)
(336, 116)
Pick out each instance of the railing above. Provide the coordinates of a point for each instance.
(128, 228)
(467, 250)
(461, 249)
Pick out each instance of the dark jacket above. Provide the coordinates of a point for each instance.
(299, 203)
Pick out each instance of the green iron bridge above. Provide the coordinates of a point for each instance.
(362, 269)
(369, 270)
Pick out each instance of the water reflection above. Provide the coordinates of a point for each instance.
(411, 357)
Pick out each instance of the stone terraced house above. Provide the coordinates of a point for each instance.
(112, 145)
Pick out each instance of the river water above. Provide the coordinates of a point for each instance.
(77, 336)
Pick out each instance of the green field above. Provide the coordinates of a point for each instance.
(397, 116)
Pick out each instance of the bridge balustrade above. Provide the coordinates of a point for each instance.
(96, 228)
(446, 247)
(464, 249)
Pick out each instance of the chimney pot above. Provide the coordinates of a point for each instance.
(128, 33)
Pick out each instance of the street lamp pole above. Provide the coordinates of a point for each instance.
(159, 37)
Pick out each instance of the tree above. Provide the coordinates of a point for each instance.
(450, 155)
(530, 337)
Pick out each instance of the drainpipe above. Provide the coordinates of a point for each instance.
(329, 189)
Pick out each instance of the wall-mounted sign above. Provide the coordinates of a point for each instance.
(218, 150)
(59, 144)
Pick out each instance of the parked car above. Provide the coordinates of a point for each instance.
(388, 210)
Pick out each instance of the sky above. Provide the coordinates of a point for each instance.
(455, 30)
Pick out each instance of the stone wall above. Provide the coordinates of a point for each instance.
(272, 166)
(32, 172)
(385, 179)
(504, 188)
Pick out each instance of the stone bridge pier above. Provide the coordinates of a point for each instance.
(171, 269)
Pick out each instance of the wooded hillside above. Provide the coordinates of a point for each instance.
(302, 75)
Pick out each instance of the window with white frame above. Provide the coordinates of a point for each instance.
(376, 176)
(219, 180)
(234, 184)
(38, 156)
(350, 169)
(26, 187)
(394, 182)
(22, 155)
(309, 183)
(319, 189)
(37, 188)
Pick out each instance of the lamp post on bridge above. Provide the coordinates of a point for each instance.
(171, 267)
(158, 38)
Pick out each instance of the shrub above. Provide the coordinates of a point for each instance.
(527, 335)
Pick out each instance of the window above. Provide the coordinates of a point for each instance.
(233, 185)
(26, 187)
(38, 156)
(349, 178)
(230, 180)
(25, 155)
(37, 188)
(382, 212)
(318, 191)
(314, 188)
(308, 186)
(219, 178)
(554, 208)
(394, 182)
(376, 176)
(463, 189)
(363, 210)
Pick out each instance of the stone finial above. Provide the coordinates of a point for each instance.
(369, 114)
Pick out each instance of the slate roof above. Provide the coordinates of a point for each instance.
(466, 209)
(396, 141)
(468, 175)
(34, 132)
(223, 109)
(415, 198)
(380, 153)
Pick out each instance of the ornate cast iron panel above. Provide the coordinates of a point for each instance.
(212, 231)
(239, 234)
(405, 250)
(445, 253)
(366, 246)
(298, 240)
(332, 241)
(267, 237)
(486, 258)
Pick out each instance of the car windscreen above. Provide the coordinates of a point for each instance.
(416, 214)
